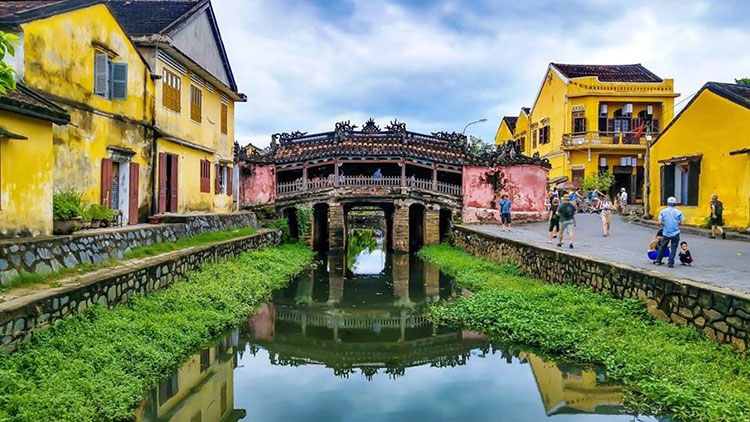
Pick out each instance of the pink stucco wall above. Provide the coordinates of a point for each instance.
(257, 185)
(526, 186)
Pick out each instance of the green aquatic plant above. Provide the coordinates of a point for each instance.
(666, 369)
(96, 365)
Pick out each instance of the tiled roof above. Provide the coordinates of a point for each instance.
(148, 17)
(511, 122)
(9, 8)
(525, 110)
(740, 94)
(24, 100)
(608, 73)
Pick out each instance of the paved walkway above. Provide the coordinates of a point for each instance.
(724, 263)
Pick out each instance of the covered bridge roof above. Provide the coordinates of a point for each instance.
(372, 142)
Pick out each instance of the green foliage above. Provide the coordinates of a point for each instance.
(7, 47)
(279, 224)
(602, 181)
(304, 219)
(25, 279)
(101, 212)
(67, 204)
(478, 146)
(96, 365)
(743, 81)
(188, 242)
(666, 369)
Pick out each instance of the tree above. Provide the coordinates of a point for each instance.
(477, 146)
(601, 181)
(7, 73)
(743, 81)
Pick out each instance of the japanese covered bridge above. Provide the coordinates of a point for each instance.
(421, 182)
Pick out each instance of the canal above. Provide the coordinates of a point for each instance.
(347, 340)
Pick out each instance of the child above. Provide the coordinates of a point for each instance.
(686, 258)
(653, 247)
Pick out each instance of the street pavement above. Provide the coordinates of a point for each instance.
(724, 263)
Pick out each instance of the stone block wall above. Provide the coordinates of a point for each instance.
(52, 253)
(21, 317)
(722, 313)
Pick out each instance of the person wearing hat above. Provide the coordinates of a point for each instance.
(670, 218)
(623, 199)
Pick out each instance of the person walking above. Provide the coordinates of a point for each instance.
(567, 213)
(505, 221)
(606, 210)
(670, 218)
(716, 219)
(623, 200)
(554, 220)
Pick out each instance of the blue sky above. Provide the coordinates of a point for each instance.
(437, 65)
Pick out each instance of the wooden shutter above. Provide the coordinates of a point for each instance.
(229, 180)
(162, 182)
(610, 126)
(694, 171)
(133, 194)
(106, 192)
(101, 75)
(119, 81)
(668, 185)
(217, 181)
(224, 118)
(173, 184)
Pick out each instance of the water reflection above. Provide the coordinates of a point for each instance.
(365, 252)
(337, 344)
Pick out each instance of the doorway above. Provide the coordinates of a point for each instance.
(168, 186)
(416, 227)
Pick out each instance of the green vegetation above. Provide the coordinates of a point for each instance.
(743, 81)
(96, 365)
(98, 212)
(304, 218)
(25, 279)
(187, 242)
(8, 43)
(67, 204)
(602, 181)
(667, 369)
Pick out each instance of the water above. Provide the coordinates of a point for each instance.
(347, 341)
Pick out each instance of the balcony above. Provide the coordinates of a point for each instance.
(593, 139)
(299, 185)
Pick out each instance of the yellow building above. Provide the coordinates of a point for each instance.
(705, 151)
(505, 131)
(591, 118)
(26, 161)
(195, 94)
(76, 54)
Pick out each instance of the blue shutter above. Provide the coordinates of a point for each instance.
(101, 75)
(119, 81)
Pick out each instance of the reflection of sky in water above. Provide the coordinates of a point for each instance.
(370, 262)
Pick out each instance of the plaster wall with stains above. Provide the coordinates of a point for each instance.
(59, 62)
(26, 183)
(257, 185)
(525, 186)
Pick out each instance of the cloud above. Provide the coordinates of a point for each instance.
(438, 65)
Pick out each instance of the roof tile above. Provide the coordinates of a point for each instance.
(609, 73)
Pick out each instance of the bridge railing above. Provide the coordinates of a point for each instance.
(297, 186)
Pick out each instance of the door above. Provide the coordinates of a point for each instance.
(172, 182)
(162, 182)
(133, 194)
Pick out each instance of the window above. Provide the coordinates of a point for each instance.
(205, 176)
(544, 135)
(578, 175)
(579, 122)
(171, 91)
(224, 118)
(223, 181)
(110, 79)
(168, 388)
(534, 138)
(205, 359)
(680, 180)
(196, 102)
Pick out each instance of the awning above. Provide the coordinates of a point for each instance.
(682, 159)
(556, 180)
(4, 134)
(740, 151)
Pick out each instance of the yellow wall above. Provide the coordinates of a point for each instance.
(26, 177)
(59, 60)
(713, 126)
(503, 133)
(521, 133)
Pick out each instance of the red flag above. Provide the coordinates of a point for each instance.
(639, 132)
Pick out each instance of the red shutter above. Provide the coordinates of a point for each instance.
(162, 182)
(133, 194)
(173, 184)
(229, 181)
(106, 181)
(217, 181)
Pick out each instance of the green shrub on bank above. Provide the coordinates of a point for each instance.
(667, 369)
(96, 365)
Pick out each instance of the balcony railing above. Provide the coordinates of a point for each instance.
(604, 138)
(298, 186)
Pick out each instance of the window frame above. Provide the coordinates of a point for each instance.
(170, 92)
(196, 107)
(224, 111)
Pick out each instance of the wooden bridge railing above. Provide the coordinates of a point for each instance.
(298, 186)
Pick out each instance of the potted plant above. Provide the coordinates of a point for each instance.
(66, 211)
(96, 216)
(106, 215)
(86, 216)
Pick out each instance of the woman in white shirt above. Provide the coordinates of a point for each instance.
(606, 206)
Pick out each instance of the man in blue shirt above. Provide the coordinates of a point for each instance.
(670, 218)
(505, 213)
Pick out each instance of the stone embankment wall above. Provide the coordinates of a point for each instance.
(43, 255)
(20, 317)
(722, 313)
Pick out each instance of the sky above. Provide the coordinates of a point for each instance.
(437, 65)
